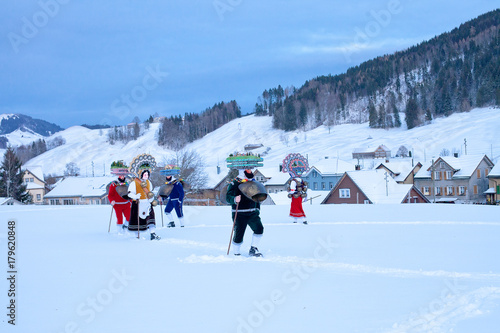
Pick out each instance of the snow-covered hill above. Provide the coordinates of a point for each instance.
(86, 147)
(20, 129)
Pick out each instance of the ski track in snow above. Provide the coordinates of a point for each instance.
(447, 311)
(343, 267)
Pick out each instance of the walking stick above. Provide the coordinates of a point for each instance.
(110, 217)
(232, 230)
(138, 221)
(161, 213)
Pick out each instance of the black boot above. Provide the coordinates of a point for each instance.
(305, 222)
(254, 252)
(155, 236)
(171, 224)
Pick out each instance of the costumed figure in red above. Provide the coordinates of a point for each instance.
(120, 204)
(298, 194)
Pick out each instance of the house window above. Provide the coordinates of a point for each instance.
(323, 186)
(478, 174)
(68, 202)
(448, 175)
(331, 185)
(449, 190)
(38, 197)
(475, 189)
(315, 185)
(437, 175)
(437, 190)
(486, 172)
(427, 190)
(461, 190)
(314, 174)
(55, 202)
(367, 202)
(345, 193)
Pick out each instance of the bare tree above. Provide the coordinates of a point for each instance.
(72, 169)
(192, 168)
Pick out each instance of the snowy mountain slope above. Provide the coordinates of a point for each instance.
(354, 268)
(479, 127)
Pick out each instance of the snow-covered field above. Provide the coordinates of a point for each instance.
(354, 268)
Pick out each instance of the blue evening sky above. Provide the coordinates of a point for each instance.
(73, 62)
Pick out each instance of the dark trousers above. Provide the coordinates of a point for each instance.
(251, 219)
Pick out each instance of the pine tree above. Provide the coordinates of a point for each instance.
(11, 178)
(372, 115)
(411, 113)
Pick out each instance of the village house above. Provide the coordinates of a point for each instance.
(35, 183)
(402, 171)
(371, 153)
(325, 174)
(372, 187)
(80, 191)
(455, 179)
(493, 192)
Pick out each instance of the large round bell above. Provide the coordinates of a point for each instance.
(151, 195)
(144, 184)
(253, 190)
(165, 190)
(296, 195)
(154, 203)
(122, 191)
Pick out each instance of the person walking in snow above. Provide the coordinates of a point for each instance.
(174, 201)
(120, 204)
(298, 194)
(142, 215)
(247, 213)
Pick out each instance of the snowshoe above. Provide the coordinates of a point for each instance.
(155, 236)
(305, 222)
(237, 254)
(171, 225)
(254, 252)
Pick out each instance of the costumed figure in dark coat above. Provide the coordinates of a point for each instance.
(298, 194)
(142, 215)
(174, 201)
(120, 204)
(247, 213)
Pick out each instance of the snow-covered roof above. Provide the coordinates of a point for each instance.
(400, 167)
(379, 188)
(33, 186)
(495, 172)
(465, 165)
(370, 149)
(7, 200)
(81, 187)
(275, 176)
(332, 166)
(36, 170)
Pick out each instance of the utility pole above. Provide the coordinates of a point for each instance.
(433, 189)
(386, 185)
(465, 144)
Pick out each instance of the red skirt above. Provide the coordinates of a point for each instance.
(296, 208)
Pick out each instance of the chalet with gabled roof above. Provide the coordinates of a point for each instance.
(455, 179)
(402, 171)
(372, 187)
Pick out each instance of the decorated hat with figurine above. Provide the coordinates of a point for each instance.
(119, 168)
(244, 161)
(170, 170)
